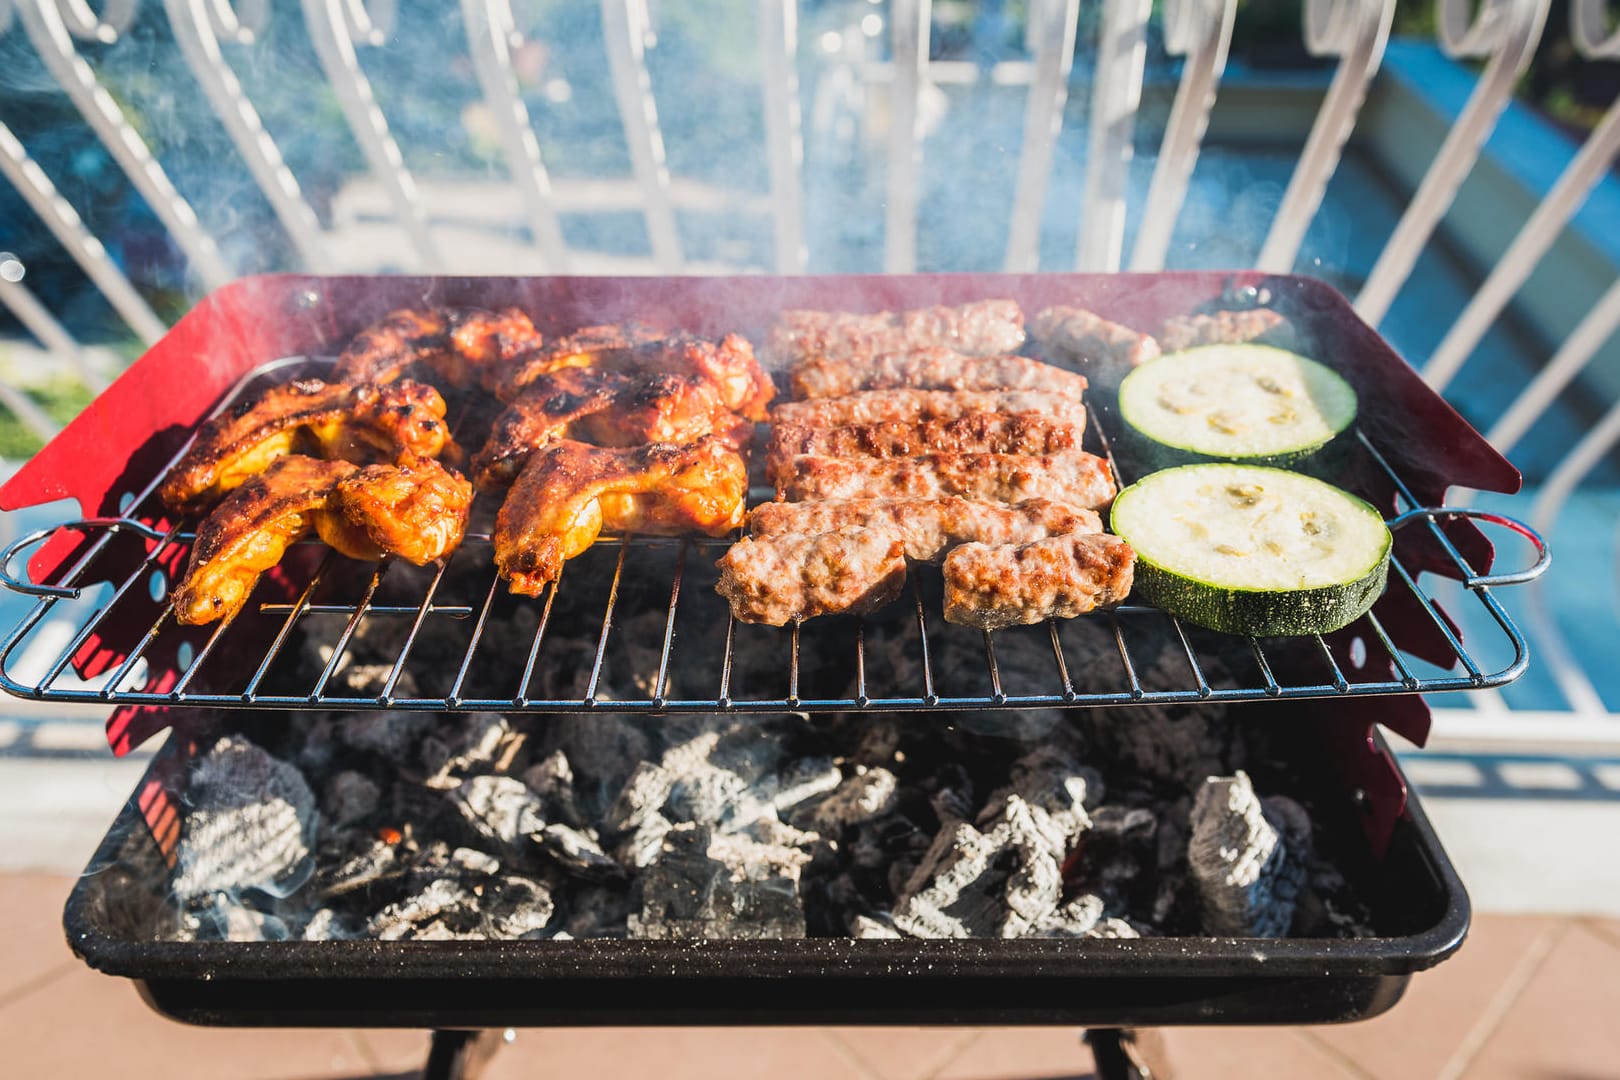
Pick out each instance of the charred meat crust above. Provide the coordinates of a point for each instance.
(994, 586)
(928, 527)
(885, 406)
(1090, 341)
(788, 578)
(972, 433)
(416, 509)
(930, 369)
(460, 345)
(984, 328)
(1080, 477)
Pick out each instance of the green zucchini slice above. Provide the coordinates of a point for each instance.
(1247, 549)
(1249, 403)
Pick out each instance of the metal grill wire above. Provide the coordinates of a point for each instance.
(126, 683)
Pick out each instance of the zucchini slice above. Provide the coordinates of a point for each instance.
(1248, 403)
(1247, 549)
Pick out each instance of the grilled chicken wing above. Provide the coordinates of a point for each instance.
(885, 406)
(981, 329)
(1073, 476)
(975, 433)
(416, 509)
(728, 364)
(928, 527)
(607, 408)
(991, 586)
(461, 346)
(249, 532)
(569, 492)
(930, 369)
(1091, 342)
(358, 423)
(589, 346)
(791, 577)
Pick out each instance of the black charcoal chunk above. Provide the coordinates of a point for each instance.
(349, 797)
(728, 886)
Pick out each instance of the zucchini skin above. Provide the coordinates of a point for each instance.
(1258, 613)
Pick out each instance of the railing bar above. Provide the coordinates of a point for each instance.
(909, 23)
(1192, 656)
(624, 25)
(997, 695)
(38, 320)
(929, 695)
(661, 682)
(349, 629)
(473, 641)
(607, 626)
(1116, 96)
(1583, 343)
(410, 638)
(299, 609)
(1056, 24)
(539, 637)
(779, 74)
(1272, 689)
(1062, 664)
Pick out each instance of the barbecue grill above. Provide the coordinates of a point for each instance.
(110, 571)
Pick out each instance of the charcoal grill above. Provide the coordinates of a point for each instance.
(1410, 447)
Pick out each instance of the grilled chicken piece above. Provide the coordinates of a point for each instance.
(728, 364)
(1090, 342)
(885, 406)
(463, 346)
(607, 408)
(791, 577)
(589, 346)
(361, 424)
(569, 492)
(986, 328)
(249, 532)
(1073, 476)
(928, 527)
(990, 586)
(930, 369)
(1260, 325)
(975, 433)
(416, 509)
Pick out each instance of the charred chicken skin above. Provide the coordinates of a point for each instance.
(251, 530)
(607, 408)
(415, 509)
(461, 346)
(930, 369)
(361, 424)
(974, 433)
(589, 346)
(569, 492)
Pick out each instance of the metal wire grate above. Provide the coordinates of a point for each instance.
(448, 638)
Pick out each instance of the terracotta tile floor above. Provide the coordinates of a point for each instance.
(1529, 996)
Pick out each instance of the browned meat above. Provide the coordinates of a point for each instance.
(986, 328)
(588, 346)
(930, 369)
(1260, 325)
(569, 492)
(460, 345)
(1101, 348)
(790, 577)
(975, 433)
(249, 532)
(607, 408)
(416, 509)
(928, 527)
(884, 406)
(1074, 476)
(995, 585)
(360, 424)
(729, 364)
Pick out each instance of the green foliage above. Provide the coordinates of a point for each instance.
(62, 398)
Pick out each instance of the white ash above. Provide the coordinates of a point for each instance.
(577, 852)
(474, 861)
(864, 926)
(1247, 858)
(329, 925)
(349, 797)
(733, 886)
(250, 824)
(500, 808)
(864, 796)
(470, 744)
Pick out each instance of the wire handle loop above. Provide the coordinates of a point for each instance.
(1484, 581)
(28, 588)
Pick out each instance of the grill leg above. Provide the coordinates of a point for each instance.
(462, 1055)
(1128, 1054)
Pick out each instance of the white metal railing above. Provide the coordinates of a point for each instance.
(211, 35)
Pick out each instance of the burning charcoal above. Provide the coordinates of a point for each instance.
(879, 739)
(390, 735)
(442, 910)
(1032, 892)
(342, 868)
(328, 925)
(865, 796)
(317, 741)
(473, 861)
(1078, 917)
(956, 891)
(553, 780)
(250, 824)
(804, 780)
(349, 797)
(577, 853)
(1113, 928)
(642, 847)
(1056, 788)
(865, 927)
(1246, 858)
(478, 744)
(730, 886)
(515, 907)
(500, 808)
(597, 911)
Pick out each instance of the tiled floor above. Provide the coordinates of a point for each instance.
(1528, 996)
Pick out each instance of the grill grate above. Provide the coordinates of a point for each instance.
(251, 661)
